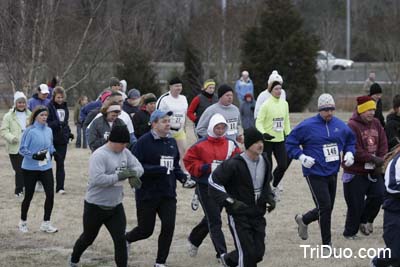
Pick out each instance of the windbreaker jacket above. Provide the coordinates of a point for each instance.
(11, 128)
(392, 185)
(36, 101)
(233, 179)
(199, 157)
(99, 131)
(61, 130)
(392, 129)
(36, 137)
(371, 141)
(141, 122)
(313, 134)
(157, 181)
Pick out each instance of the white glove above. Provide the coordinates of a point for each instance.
(307, 161)
(348, 159)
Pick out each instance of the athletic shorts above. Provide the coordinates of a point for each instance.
(179, 135)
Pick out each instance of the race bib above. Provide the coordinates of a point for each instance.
(106, 135)
(232, 126)
(44, 162)
(331, 152)
(177, 119)
(167, 161)
(215, 164)
(277, 124)
(369, 166)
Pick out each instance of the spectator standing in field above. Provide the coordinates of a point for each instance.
(202, 101)
(244, 86)
(159, 155)
(142, 117)
(80, 131)
(109, 167)
(39, 98)
(201, 160)
(369, 81)
(242, 185)
(392, 127)
(375, 91)
(37, 149)
(13, 126)
(58, 122)
(317, 142)
(362, 182)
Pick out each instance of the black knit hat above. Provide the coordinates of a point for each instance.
(174, 80)
(223, 89)
(119, 134)
(251, 136)
(375, 89)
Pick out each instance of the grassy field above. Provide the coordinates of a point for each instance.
(283, 245)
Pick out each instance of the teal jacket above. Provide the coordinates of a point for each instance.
(11, 129)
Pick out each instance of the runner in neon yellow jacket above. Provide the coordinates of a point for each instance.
(273, 119)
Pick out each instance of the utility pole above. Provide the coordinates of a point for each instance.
(223, 50)
(348, 29)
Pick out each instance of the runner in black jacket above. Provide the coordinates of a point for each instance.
(242, 185)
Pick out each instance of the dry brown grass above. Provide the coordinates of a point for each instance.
(39, 249)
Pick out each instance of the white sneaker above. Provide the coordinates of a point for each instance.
(277, 194)
(192, 249)
(47, 227)
(61, 192)
(160, 265)
(195, 202)
(370, 227)
(302, 229)
(39, 187)
(72, 264)
(280, 187)
(190, 183)
(23, 226)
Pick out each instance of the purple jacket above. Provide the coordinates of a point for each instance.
(36, 101)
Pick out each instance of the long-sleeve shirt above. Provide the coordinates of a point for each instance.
(273, 119)
(103, 188)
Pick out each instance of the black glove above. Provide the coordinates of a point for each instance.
(271, 204)
(237, 207)
(267, 137)
(40, 155)
(125, 174)
(378, 161)
(71, 136)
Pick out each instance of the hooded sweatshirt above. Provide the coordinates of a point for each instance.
(392, 129)
(36, 101)
(371, 141)
(205, 155)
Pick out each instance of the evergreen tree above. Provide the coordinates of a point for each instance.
(135, 68)
(193, 73)
(280, 42)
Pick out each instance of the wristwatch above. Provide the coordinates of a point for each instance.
(230, 200)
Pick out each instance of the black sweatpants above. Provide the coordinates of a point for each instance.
(391, 235)
(323, 191)
(249, 235)
(59, 158)
(281, 157)
(30, 179)
(359, 208)
(16, 162)
(211, 222)
(93, 219)
(146, 211)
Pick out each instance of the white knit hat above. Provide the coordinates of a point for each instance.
(124, 85)
(274, 77)
(19, 95)
(325, 101)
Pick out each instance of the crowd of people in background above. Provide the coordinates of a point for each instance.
(142, 139)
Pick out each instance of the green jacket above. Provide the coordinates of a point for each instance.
(10, 128)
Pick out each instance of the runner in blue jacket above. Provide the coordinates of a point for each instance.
(322, 138)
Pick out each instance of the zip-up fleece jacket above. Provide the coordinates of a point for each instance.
(199, 157)
(157, 181)
(312, 134)
(36, 137)
(10, 128)
(61, 130)
(98, 128)
(371, 141)
(233, 179)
